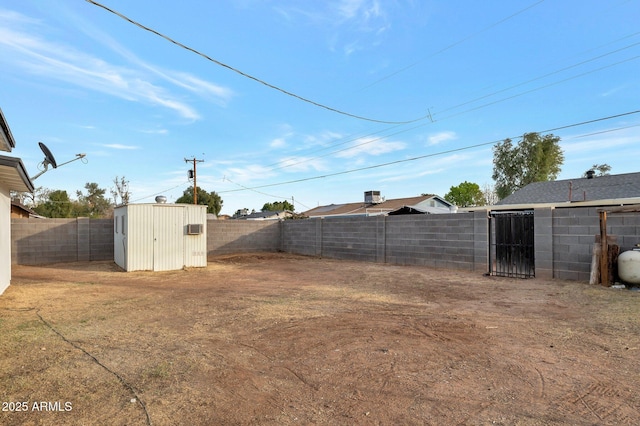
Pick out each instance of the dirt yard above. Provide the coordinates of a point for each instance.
(282, 339)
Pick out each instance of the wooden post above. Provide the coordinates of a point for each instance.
(604, 251)
(594, 277)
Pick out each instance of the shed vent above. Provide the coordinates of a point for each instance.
(194, 229)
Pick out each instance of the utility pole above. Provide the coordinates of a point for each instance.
(195, 187)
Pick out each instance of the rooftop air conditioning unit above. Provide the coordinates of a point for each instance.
(372, 197)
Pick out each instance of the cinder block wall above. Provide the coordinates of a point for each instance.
(41, 241)
(350, 238)
(456, 241)
(100, 240)
(302, 237)
(234, 236)
(543, 242)
(564, 239)
(626, 228)
(442, 241)
(574, 234)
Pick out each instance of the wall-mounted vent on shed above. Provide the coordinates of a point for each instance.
(194, 229)
(372, 197)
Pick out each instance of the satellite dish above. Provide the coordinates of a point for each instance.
(50, 160)
(48, 156)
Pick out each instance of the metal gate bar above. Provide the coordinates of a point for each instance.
(511, 244)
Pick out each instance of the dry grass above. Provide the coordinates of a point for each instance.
(280, 339)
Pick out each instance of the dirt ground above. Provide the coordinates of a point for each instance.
(281, 339)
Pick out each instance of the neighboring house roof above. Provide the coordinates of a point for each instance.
(13, 175)
(608, 187)
(266, 215)
(425, 210)
(19, 210)
(7, 143)
(373, 209)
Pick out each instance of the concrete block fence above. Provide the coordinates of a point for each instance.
(564, 239)
(41, 241)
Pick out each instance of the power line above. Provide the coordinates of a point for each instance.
(547, 75)
(452, 45)
(542, 87)
(606, 131)
(262, 193)
(244, 74)
(286, 163)
(158, 193)
(435, 154)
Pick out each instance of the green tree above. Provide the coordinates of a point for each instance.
(467, 194)
(535, 158)
(93, 203)
(210, 199)
(278, 206)
(57, 205)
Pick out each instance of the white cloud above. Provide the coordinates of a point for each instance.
(323, 139)
(202, 87)
(248, 173)
(38, 55)
(596, 144)
(301, 164)
(441, 137)
(371, 146)
(278, 143)
(155, 132)
(426, 167)
(359, 9)
(119, 146)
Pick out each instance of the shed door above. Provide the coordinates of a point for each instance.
(168, 240)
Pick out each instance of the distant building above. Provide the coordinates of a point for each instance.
(266, 215)
(23, 212)
(374, 204)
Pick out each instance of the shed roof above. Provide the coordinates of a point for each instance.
(576, 190)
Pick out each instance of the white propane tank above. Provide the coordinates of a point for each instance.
(629, 266)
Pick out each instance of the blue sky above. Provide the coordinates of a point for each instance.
(461, 73)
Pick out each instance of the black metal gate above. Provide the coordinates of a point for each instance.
(511, 248)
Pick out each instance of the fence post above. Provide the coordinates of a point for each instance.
(83, 232)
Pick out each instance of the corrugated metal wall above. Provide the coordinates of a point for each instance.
(168, 237)
(195, 246)
(139, 237)
(153, 237)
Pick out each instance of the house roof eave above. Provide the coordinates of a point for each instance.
(566, 204)
(14, 175)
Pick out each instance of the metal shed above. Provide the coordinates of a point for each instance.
(160, 237)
